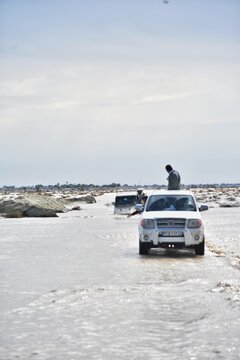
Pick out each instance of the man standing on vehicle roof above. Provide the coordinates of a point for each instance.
(174, 180)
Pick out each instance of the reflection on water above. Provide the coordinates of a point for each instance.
(75, 287)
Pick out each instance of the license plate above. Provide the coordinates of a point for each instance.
(171, 234)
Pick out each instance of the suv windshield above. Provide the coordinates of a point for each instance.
(171, 203)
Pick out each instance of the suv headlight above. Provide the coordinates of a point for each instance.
(194, 223)
(148, 223)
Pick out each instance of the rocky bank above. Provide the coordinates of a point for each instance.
(40, 205)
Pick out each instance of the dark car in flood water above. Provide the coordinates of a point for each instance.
(124, 204)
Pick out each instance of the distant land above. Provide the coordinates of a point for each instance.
(112, 186)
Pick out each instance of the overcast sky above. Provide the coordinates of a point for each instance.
(102, 91)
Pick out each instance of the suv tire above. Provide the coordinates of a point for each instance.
(143, 248)
(199, 249)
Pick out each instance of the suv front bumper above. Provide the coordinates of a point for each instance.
(185, 237)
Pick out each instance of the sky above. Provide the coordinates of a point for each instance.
(103, 91)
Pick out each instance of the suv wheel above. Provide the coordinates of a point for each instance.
(199, 249)
(143, 248)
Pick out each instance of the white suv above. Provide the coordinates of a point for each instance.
(171, 219)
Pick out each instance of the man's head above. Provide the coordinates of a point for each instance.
(168, 168)
(139, 190)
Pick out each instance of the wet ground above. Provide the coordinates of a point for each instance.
(74, 287)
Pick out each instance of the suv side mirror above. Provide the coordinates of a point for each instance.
(138, 207)
(203, 207)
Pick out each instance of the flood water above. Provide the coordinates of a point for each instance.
(74, 287)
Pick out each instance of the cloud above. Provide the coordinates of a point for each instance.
(21, 88)
(63, 105)
(157, 98)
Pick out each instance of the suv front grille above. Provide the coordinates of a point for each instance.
(166, 223)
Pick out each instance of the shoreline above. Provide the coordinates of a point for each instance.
(50, 203)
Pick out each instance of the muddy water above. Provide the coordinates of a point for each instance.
(223, 233)
(75, 287)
